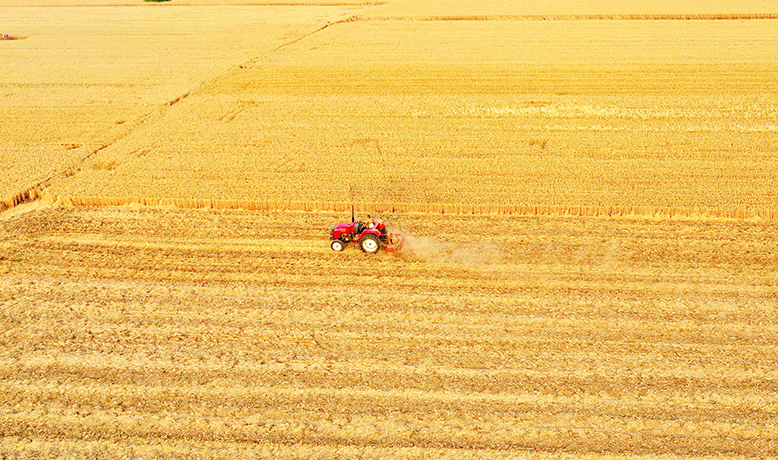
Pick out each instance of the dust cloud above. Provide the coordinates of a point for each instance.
(428, 249)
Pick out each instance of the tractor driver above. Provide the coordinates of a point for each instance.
(362, 226)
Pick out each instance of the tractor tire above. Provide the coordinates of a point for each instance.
(370, 244)
(337, 245)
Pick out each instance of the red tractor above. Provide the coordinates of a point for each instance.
(371, 236)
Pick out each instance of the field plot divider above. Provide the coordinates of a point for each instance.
(650, 212)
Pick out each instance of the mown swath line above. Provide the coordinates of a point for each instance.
(103, 425)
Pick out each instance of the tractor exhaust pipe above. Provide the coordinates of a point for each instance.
(352, 214)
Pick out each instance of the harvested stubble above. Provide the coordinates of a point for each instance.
(241, 335)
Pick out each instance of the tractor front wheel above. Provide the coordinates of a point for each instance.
(337, 245)
(370, 244)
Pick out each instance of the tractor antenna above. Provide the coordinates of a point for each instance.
(352, 213)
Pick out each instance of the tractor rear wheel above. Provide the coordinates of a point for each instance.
(337, 245)
(370, 244)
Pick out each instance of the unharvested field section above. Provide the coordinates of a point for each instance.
(142, 332)
(675, 114)
(84, 76)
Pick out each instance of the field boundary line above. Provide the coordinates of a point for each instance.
(626, 212)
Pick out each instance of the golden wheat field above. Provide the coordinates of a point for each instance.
(83, 77)
(659, 114)
(588, 192)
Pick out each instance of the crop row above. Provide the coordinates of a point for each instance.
(666, 212)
